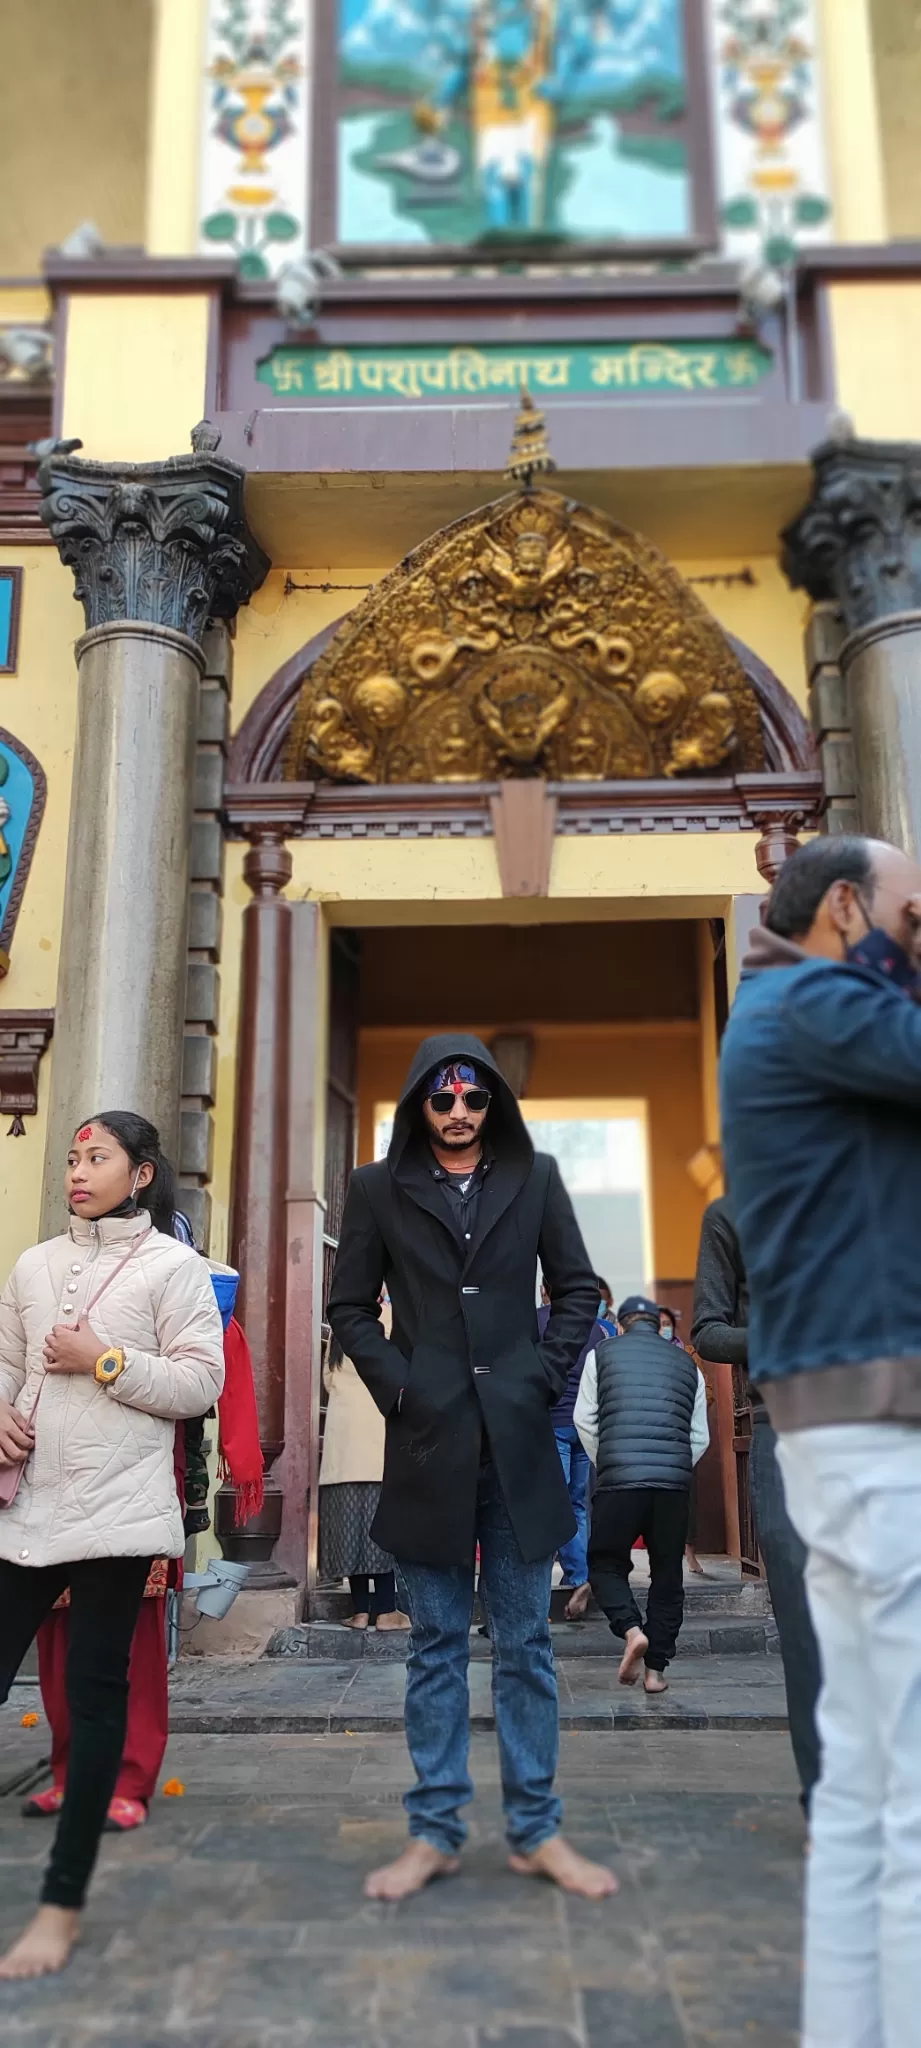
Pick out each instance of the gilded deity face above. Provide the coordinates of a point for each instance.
(530, 554)
(659, 697)
(519, 718)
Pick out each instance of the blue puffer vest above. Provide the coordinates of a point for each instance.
(646, 1395)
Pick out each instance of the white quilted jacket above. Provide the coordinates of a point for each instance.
(100, 1480)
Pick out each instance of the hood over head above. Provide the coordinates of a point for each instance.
(505, 1133)
(768, 949)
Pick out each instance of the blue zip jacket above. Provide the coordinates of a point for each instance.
(820, 1084)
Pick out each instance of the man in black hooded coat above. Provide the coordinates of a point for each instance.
(453, 1223)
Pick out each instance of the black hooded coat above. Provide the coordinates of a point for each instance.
(465, 1350)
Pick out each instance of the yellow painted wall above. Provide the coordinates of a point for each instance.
(896, 28)
(876, 330)
(656, 1062)
(175, 114)
(852, 121)
(38, 705)
(134, 372)
(73, 116)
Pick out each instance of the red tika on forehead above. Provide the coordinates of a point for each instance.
(85, 1134)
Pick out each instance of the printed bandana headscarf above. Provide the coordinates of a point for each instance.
(457, 1074)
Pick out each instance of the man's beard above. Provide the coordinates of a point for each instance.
(458, 1138)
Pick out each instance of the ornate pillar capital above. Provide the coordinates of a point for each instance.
(857, 543)
(164, 543)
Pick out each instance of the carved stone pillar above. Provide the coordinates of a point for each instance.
(156, 549)
(258, 1218)
(858, 545)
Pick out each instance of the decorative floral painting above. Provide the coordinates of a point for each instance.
(254, 132)
(22, 801)
(469, 121)
(769, 128)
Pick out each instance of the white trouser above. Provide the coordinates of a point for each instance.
(854, 1494)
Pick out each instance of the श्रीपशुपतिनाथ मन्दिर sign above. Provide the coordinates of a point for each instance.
(610, 370)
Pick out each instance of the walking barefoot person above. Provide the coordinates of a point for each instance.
(453, 1221)
(109, 1335)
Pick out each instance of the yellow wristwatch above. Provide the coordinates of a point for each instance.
(110, 1365)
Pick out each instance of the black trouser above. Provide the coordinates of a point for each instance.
(105, 1600)
(383, 1600)
(619, 1515)
(784, 1555)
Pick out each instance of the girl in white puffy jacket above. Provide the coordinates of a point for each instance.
(109, 1335)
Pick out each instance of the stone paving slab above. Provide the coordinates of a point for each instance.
(235, 1919)
(216, 1696)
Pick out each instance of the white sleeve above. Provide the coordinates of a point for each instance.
(186, 1376)
(12, 1343)
(700, 1427)
(585, 1413)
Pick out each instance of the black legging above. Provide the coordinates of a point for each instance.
(383, 1600)
(105, 1600)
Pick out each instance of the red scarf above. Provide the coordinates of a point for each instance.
(240, 1451)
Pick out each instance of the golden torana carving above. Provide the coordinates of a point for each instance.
(532, 637)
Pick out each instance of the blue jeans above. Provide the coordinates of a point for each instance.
(575, 1462)
(437, 1714)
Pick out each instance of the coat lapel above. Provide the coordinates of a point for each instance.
(415, 1178)
(503, 1182)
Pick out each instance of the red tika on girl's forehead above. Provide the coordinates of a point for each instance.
(85, 1134)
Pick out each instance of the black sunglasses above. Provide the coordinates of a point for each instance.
(473, 1099)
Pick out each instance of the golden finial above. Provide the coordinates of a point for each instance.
(529, 454)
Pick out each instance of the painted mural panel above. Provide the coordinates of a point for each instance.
(464, 121)
(22, 801)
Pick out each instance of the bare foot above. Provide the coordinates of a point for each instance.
(356, 1621)
(655, 1681)
(577, 1604)
(693, 1561)
(637, 1646)
(418, 1865)
(565, 1867)
(393, 1620)
(45, 1946)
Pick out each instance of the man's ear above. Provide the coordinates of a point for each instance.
(839, 903)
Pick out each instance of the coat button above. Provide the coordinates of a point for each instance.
(71, 1287)
(76, 1269)
(23, 1553)
(68, 1308)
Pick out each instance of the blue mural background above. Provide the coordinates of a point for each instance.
(461, 120)
(7, 592)
(18, 793)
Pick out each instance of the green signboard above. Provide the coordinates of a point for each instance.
(371, 376)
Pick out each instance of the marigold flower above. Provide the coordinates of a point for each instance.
(173, 1789)
(29, 1721)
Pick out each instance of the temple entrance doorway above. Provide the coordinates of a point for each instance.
(607, 1031)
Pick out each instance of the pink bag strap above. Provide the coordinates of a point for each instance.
(135, 1246)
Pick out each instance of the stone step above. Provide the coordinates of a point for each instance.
(702, 1636)
(732, 1598)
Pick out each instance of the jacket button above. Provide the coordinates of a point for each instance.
(68, 1308)
(71, 1287)
(76, 1269)
(23, 1553)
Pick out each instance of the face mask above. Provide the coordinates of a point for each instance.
(885, 956)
